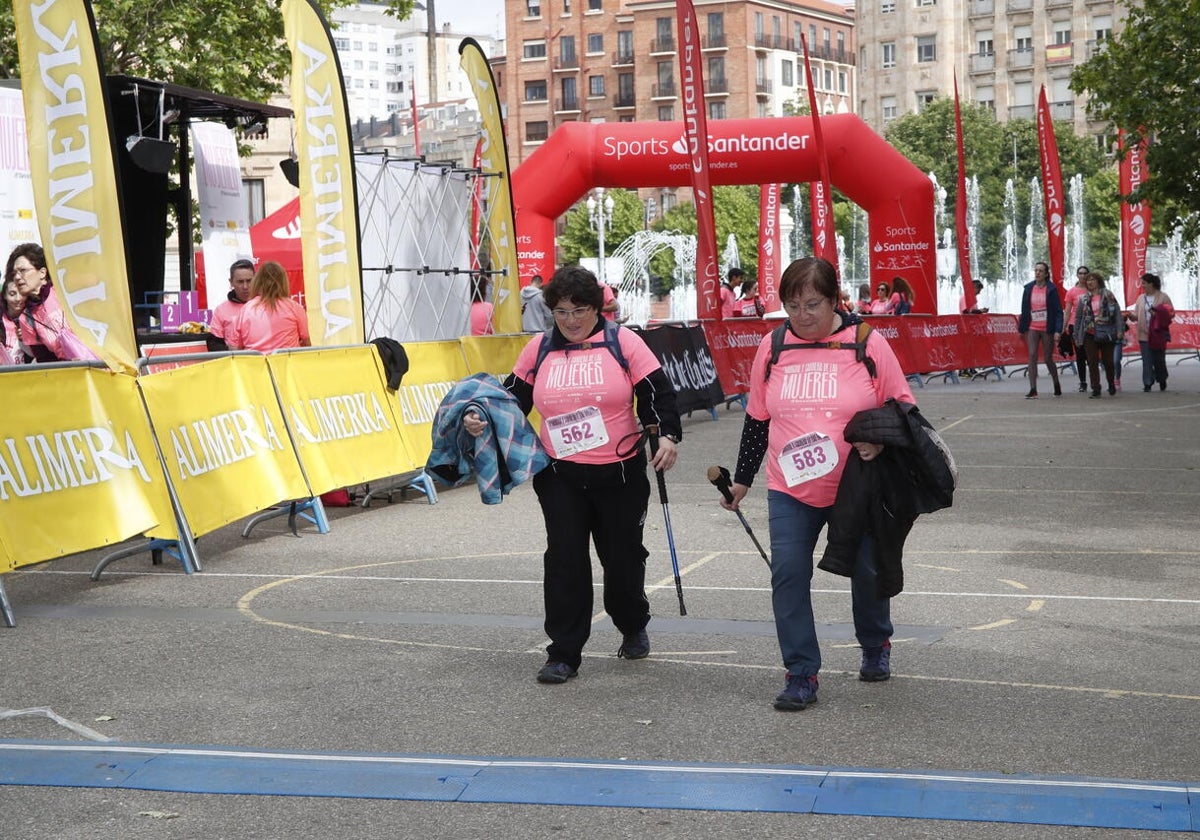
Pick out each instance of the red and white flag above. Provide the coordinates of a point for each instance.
(961, 234)
(1052, 192)
(695, 125)
(820, 191)
(769, 258)
(1135, 218)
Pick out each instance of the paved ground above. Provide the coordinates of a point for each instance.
(1048, 628)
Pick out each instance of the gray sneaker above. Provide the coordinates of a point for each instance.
(634, 645)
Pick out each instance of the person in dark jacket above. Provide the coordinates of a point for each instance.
(1041, 322)
(914, 474)
(796, 415)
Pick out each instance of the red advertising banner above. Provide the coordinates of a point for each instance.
(695, 124)
(962, 236)
(770, 266)
(820, 191)
(1052, 191)
(1135, 218)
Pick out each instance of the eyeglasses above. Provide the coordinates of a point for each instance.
(812, 308)
(25, 270)
(576, 313)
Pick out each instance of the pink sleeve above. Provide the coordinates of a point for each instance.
(301, 322)
(642, 361)
(756, 406)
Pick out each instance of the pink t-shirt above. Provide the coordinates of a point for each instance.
(881, 307)
(224, 317)
(727, 302)
(258, 328)
(1037, 308)
(585, 397)
(809, 399)
(42, 323)
(1072, 301)
(609, 297)
(481, 318)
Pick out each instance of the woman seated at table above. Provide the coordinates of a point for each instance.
(271, 320)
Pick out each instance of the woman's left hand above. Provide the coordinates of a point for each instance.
(868, 451)
(665, 457)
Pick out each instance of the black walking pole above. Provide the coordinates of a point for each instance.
(652, 436)
(719, 476)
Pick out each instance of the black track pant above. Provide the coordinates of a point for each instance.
(605, 504)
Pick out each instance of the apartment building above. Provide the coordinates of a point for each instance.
(617, 60)
(383, 59)
(1002, 52)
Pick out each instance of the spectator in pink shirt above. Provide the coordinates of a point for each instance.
(225, 314)
(271, 320)
(882, 304)
(482, 309)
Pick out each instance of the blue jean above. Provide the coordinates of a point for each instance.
(1154, 365)
(794, 529)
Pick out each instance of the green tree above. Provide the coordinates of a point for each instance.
(231, 47)
(578, 240)
(735, 211)
(1145, 82)
(995, 153)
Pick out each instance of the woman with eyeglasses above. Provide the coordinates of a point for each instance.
(42, 320)
(803, 393)
(592, 384)
(882, 304)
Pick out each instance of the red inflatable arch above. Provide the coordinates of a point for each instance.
(578, 156)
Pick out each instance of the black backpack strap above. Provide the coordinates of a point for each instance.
(612, 341)
(859, 346)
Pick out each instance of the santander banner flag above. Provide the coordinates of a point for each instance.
(1135, 218)
(1052, 190)
(695, 124)
(769, 258)
(962, 236)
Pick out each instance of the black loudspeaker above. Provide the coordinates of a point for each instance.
(291, 170)
(150, 154)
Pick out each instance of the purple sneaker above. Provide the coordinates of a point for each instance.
(799, 693)
(876, 663)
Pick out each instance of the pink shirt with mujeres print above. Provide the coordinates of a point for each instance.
(585, 397)
(811, 396)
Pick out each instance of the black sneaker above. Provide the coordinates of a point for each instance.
(876, 663)
(1083, 387)
(556, 672)
(1057, 390)
(799, 693)
(634, 646)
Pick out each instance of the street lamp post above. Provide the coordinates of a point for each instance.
(600, 212)
(651, 208)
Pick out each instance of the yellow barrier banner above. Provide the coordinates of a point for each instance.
(328, 192)
(74, 174)
(433, 369)
(344, 422)
(78, 467)
(502, 232)
(494, 354)
(223, 439)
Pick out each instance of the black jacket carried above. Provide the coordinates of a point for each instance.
(914, 474)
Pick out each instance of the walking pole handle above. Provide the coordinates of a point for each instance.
(719, 476)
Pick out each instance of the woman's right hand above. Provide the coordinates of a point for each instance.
(738, 491)
(473, 423)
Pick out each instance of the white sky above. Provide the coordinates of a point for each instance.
(484, 17)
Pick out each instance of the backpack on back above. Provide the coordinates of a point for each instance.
(611, 341)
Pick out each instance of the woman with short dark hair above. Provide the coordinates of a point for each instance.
(800, 404)
(593, 382)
